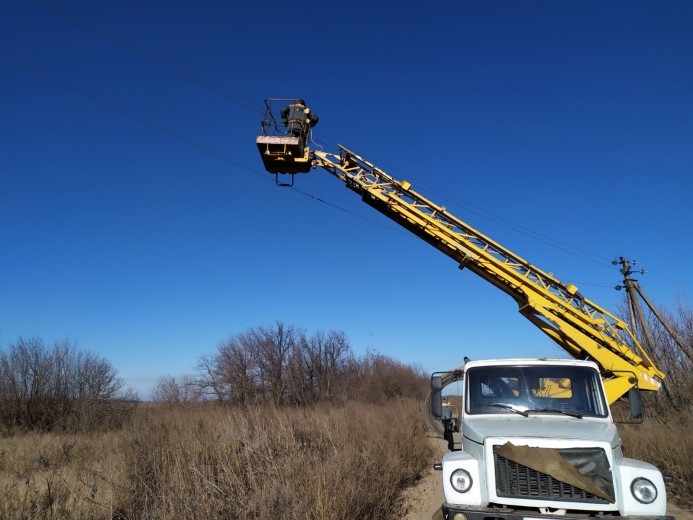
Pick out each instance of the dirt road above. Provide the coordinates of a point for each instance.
(423, 500)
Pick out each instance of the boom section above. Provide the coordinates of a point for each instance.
(579, 326)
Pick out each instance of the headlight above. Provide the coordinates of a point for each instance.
(461, 480)
(643, 490)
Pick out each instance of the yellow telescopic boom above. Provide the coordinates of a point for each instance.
(582, 328)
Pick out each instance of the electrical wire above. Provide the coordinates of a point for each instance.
(509, 224)
(131, 115)
(367, 219)
(110, 33)
(514, 226)
(107, 31)
(174, 135)
(312, 140)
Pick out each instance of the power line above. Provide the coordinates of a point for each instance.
(110, 33)
(114, 35)
(363, 217)
(581, 284)
(183, 139)
(127, 113)
(514, 226)
(174, 135)
(509, 224)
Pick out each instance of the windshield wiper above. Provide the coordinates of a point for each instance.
(508, 407)
(553, 410)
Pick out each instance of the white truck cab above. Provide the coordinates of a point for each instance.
(538, 441)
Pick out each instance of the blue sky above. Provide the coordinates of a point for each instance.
(136, 219)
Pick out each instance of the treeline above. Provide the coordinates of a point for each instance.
(284, 365)
(59, 387)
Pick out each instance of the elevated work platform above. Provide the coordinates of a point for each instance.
(283, 154)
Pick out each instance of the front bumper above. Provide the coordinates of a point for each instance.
(489, 513)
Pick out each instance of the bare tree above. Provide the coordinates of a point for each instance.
(272, 347)
(180, 391)
(324, 356)
(59, 387)
(237, 360)
(675, 356)
(211, 378)
(261, 364)
(283, 365)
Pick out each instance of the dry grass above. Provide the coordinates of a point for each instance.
(667, 443)
(59, 476)
(349, 461)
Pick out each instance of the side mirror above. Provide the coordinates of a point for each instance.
(436, 399)
(635, 401)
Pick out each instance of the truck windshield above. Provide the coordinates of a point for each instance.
(541, 389)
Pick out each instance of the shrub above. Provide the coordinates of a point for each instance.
(285, 366)
(59, 387)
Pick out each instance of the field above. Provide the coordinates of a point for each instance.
(206, 461)
(667, 443)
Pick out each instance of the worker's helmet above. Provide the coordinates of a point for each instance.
(300, 101)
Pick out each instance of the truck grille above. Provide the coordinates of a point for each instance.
(514, 480)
